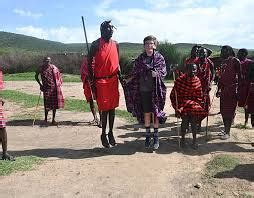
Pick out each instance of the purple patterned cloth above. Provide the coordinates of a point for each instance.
(131, 89)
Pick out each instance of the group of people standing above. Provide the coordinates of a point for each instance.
(145, 91)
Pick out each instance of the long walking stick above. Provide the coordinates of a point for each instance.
(177, 119)
(36, 107)
(84, 28)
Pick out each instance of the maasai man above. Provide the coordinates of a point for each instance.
(194, 57)
(145, 92)
(88, 90)
(244, 83)
(249, 106)
(3, 133)
(51, 88)
(187, 100)
(205, 72)
(228, 89)
(104, 79)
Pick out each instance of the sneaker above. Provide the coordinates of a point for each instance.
(221, 133)
(104, 141)
(111, 139)
(156, 143)
(8, 157)
(225, 137)
(148, 141)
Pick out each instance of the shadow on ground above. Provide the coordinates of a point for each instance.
(242, 171)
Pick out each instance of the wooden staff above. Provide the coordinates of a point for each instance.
(177, 119)
(36, 108)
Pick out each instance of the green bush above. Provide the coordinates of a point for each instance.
(171, 55)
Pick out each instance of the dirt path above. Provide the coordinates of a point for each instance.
(77, 165)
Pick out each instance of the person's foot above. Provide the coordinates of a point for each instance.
(221, 133)
(99, 124)
(156, 143)
(8, 157)
(104, 141)
(54, 123)
(148, 141)
(182, 143)
(94, 121)
(111, 139)
(225, 137)
(194, 146)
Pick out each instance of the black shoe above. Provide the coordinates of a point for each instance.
(156, 143)
(8, 157)
(182, 143)
(148, 141)
(111, 139)
(104, 141)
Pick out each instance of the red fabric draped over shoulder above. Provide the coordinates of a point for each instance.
(105, 70)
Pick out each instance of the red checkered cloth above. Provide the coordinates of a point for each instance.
(228, 83)
(1, 79)
(86, 85)
(189, 96)
(59, 82)
(52, 82)
(2, 117)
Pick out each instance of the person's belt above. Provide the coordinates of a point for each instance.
(105, 77)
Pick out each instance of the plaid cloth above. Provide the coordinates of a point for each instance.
(1, 79)
(228, 83)
(244, 83)
(132, 92)
(52, 82)
(189, 96)
(2, 117)
(83, 75)
(59, 82)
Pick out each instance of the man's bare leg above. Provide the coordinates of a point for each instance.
(246, 117)
(54, 123)
(194, 122)
(104, 139)
(3, 137)
(184, 127)
(111, 125)
(92, 108)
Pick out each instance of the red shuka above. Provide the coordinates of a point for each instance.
(86, 85)
(189, 96)
(228, 83)
(105, 70)
(244, 84)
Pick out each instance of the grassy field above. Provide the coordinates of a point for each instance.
(29, 101)
(29, 76)
(23, 163)
(221, 163)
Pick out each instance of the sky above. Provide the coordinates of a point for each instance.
(220, 22)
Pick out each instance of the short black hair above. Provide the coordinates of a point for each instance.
(150, 38)
(244, 51)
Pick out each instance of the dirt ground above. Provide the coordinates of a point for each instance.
(76, 165)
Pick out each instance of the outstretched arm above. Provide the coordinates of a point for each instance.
(37, 79)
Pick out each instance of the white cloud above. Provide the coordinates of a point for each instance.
(228, 23)
(27, 13)
(60, 34)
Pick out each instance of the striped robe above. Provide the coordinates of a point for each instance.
(228, 83)
(189, 95)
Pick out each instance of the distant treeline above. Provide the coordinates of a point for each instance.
(20, 53)
(19, 61)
